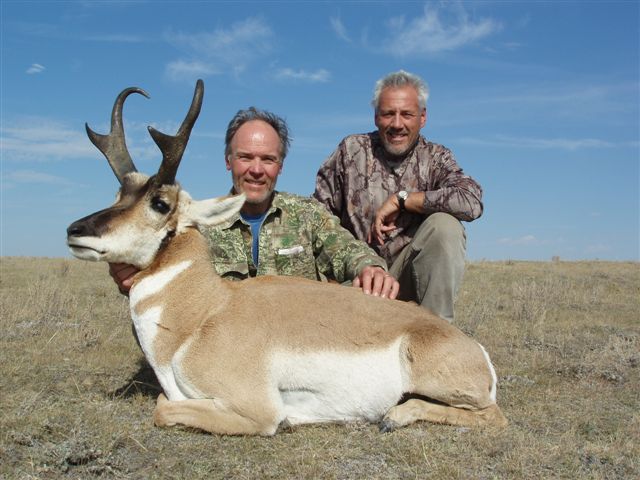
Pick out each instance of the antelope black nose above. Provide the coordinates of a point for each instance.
(77, 229)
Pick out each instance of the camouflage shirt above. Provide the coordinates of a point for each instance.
(359, 177)
(298, 237)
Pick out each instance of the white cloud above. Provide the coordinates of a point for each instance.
(319, 76)
(182, 69)
(597, 248)
(56, 31)
(342, 121)
(41, 139)
(575, 106)
(570, 144)
(564, 99)
(339, 29)
(230, 49)
(116, 38)
(512, 45)
(524, 240)
(35, 68)
(224, 43)
(33, 176)
(439, 29)
(556, 94)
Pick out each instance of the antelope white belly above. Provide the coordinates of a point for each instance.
(146, 323)
(494, 377)
(335, 386)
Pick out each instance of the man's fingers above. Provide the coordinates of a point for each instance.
(380, 229)
(119, 269)
(377, 287)
(122, 274)
(395, 288)
(389, 287)
(365, 280)
(376, 281)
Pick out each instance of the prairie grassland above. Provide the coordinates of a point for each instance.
(77, 396)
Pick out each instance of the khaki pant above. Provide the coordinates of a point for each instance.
(430, 268)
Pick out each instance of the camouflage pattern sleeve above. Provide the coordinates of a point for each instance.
(230, 251)
(453, 192)
(328, 183)
(338, 254)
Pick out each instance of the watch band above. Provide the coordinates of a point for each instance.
(402, 196)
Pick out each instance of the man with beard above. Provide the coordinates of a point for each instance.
(277, 233)
(404, 195)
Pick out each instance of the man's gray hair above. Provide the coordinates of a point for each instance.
(401, 79)
(252, 113)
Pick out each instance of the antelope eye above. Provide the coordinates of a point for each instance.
(160, 205)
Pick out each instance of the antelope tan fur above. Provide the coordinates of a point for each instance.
(246, 357)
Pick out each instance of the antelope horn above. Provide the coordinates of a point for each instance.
(113, 146)
(172, 147)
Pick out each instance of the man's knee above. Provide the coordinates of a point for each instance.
(442, 233)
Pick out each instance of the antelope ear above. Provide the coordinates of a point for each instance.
(213, 211)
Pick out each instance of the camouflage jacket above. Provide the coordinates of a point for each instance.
(358, 178)
(298, 237)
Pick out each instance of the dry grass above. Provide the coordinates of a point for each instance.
(77, 397)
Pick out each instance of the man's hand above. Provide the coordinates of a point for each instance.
(122, 274)
(385, 221)
(375, 281)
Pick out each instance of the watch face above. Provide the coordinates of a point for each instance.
(402, 196)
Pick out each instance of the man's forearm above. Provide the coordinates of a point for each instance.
(464, 204)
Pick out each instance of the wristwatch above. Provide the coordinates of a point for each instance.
(402, 196)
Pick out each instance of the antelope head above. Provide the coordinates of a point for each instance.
(149, 210)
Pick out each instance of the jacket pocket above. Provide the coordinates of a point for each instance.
(296, 260)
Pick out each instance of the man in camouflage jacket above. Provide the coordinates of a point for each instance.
(404, 195)
(298, 237)
(278, 233)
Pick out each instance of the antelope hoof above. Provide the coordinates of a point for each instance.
(387, 425)
(160, 417)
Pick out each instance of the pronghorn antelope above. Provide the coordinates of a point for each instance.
(245, 357)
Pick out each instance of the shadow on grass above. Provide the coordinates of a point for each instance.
(143, 382)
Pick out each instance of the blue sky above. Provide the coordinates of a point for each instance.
(539, 101)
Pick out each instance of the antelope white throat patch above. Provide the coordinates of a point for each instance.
(146, 322)
(154, 283)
